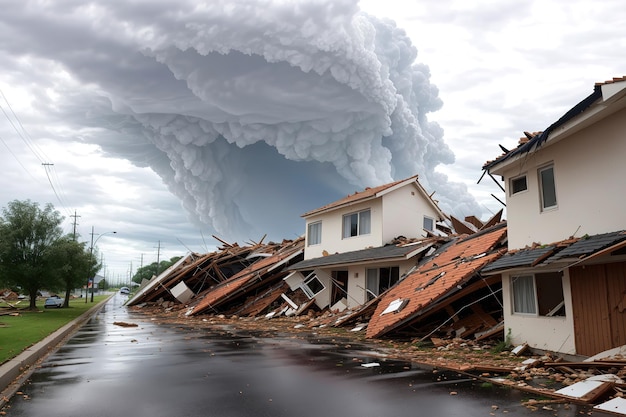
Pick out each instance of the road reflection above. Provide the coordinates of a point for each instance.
(171, 370)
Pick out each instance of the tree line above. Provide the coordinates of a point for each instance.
(36, 255)
(147, 272)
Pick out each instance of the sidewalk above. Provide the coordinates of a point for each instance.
(15, 371)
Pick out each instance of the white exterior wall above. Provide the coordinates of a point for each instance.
(403, 213)
(554, 334)
(589, 173)
(332, 227)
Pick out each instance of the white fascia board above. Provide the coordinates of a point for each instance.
(413, 179)
(611, 89)
(342, 206)
(418, 251)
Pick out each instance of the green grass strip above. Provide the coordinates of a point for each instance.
(19, 332)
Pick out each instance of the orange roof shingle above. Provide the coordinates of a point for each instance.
(437, 278)
(237, 282)
(358, 196)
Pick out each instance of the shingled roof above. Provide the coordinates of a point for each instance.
(574, 250)
(374, 192)
(265, 271)
(535, 140)
(382, 253)
(436, 279)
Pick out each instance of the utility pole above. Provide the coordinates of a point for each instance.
(158, 257)
(75, 216)
(141, 268)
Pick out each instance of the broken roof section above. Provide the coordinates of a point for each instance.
(154, 284)
(568, 252)
(607, 97)
(391, 252)
(443, 275)
(268, 269)
(376, 192)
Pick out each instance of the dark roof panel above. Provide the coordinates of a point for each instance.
(373, 254)
(588, 245)
(519, 258)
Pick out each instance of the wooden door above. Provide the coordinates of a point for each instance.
(599, 307)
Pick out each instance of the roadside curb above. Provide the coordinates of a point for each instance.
(15, 371)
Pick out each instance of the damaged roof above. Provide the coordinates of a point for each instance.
(437, 278)
(382, 253)
(604, 91)
(266, 269)
(573, 249)
(375, 192)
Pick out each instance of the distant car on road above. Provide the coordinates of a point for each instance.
(54, 301)
(124, 290)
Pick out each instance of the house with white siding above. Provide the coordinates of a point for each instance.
(564, 277)
(351, 253)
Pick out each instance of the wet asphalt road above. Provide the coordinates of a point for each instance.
(153, 370)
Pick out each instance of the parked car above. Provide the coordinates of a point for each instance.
(54, 301)
(124, 290)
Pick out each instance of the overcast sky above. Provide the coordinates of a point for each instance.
(172, 121)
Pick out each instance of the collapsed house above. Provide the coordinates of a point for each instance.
(243, 270)
(448, 281)
(356, 258)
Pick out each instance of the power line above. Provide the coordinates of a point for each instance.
(21, 131)
(18, 161)
(46, 166)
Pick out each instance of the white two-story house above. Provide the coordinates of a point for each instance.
(348, 255)
(564, 278)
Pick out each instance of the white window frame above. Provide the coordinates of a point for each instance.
(529, 299)
(314, 237)
(363, 225)
(305, 285)
(542, 193)
(514, 179)
(432, 222)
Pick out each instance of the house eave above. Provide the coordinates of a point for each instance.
(314, 213)
(604, 101)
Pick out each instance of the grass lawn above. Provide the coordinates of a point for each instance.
(19, 332)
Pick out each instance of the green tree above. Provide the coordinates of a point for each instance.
(27, 233)
(148, 271)
(103, 284)
(73, 263)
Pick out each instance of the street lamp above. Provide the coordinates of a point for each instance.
(91, 256)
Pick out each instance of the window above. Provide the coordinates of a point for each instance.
(547, 187)
(429, 223)
(314, 233)
(539, 294)
(518, 184)
(312, 285)
(379, 280)
(357, 224)
(523, 289)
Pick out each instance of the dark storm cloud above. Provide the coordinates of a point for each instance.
(251, 112)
